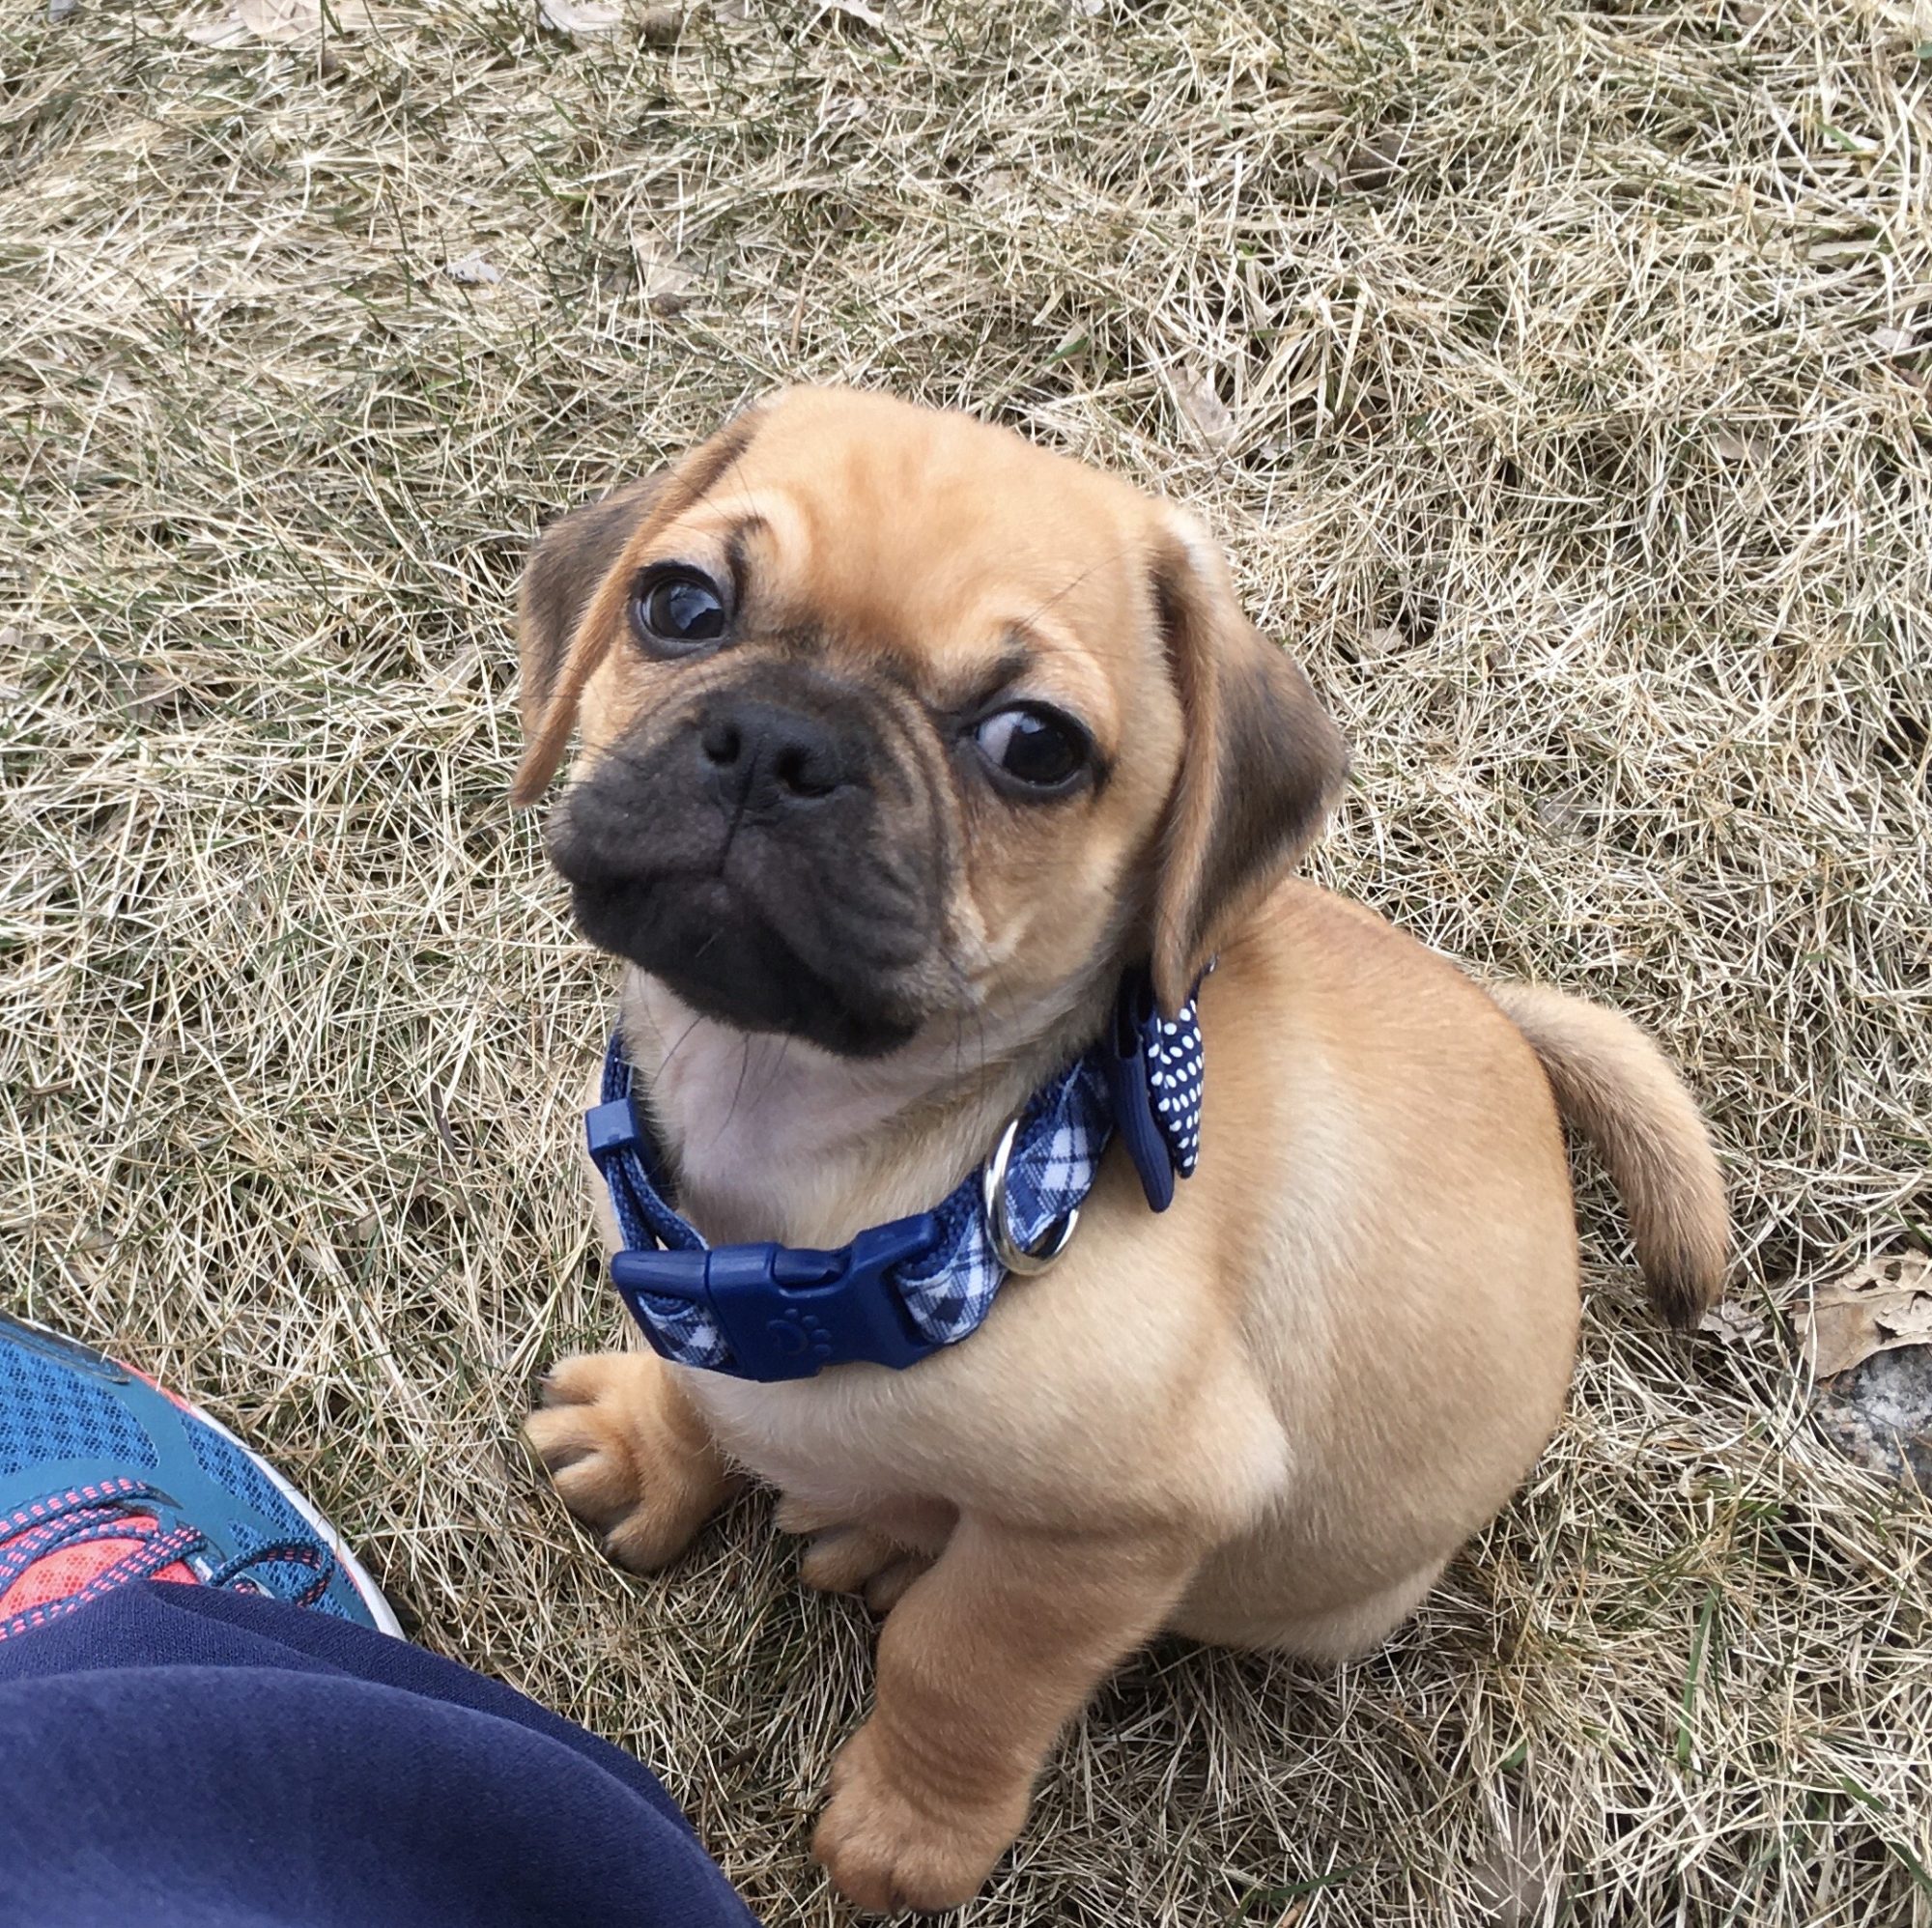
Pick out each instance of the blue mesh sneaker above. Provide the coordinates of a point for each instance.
(107, 1478)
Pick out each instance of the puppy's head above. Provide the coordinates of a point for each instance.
(889, 719)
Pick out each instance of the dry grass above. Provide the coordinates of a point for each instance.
(1570, 418)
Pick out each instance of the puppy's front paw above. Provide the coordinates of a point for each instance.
(627, 1454)
(888, 1842)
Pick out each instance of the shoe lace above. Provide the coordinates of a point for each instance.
(126, 1510)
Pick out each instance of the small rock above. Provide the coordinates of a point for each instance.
(1880, 1413)
(473, 271)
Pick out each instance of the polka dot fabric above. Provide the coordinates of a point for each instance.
(1174, 1067)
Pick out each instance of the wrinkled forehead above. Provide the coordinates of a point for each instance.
(931, 537)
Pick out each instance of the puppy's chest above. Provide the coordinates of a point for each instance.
(842, 1455)
(763, 1151)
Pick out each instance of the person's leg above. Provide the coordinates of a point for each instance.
(202, 1723)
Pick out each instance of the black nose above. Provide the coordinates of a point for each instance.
(765, 756)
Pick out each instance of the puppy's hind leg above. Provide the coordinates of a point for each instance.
(854, 1559)
(849, 1556)
(1348, 1632)
(630, 1455)
(846, 1559)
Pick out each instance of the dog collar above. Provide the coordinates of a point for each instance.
(900, 1291)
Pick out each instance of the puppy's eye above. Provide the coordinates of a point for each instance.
(674, 610)
(1033, 748)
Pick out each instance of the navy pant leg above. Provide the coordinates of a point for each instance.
(191, 1758)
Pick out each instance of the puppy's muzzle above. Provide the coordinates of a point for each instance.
(765, 855)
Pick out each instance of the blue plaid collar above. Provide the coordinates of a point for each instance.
(898, 1292)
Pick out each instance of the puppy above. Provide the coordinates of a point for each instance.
(902, 743)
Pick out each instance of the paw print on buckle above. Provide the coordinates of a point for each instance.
(799, 1333)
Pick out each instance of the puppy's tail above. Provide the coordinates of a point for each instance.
(1616, 1089)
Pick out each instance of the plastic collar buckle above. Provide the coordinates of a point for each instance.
(784, 1311)
(612, 1129)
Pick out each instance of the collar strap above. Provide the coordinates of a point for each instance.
(900, 1291)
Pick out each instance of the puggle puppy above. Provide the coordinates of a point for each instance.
(902, 744)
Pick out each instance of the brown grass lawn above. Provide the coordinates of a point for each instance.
(1557, 375)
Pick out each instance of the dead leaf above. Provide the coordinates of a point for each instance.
(854, 10)
(1517, 1877)
(1730, 444)
(156, 695)
(665, 283)
(1894, 341)
(460, 670)
(222, 29)
(473, 271)
(1873, 1307)
(660, 25)
(319, 1260)
(580, 17)
(1733, 1323)
(440, 1117)
(1568, 813)
(841, 110)
(1912, 17)
(276, 21)
(1364, 166)
(1195, 396)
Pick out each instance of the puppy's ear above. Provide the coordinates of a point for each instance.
(571, 558)
(1262, 763)
(572, 602)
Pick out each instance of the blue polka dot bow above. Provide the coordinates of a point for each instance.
(901, 1291)
(1173, 1077)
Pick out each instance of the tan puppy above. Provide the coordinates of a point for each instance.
(901, 738)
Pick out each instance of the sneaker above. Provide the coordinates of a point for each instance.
(107, 1478)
